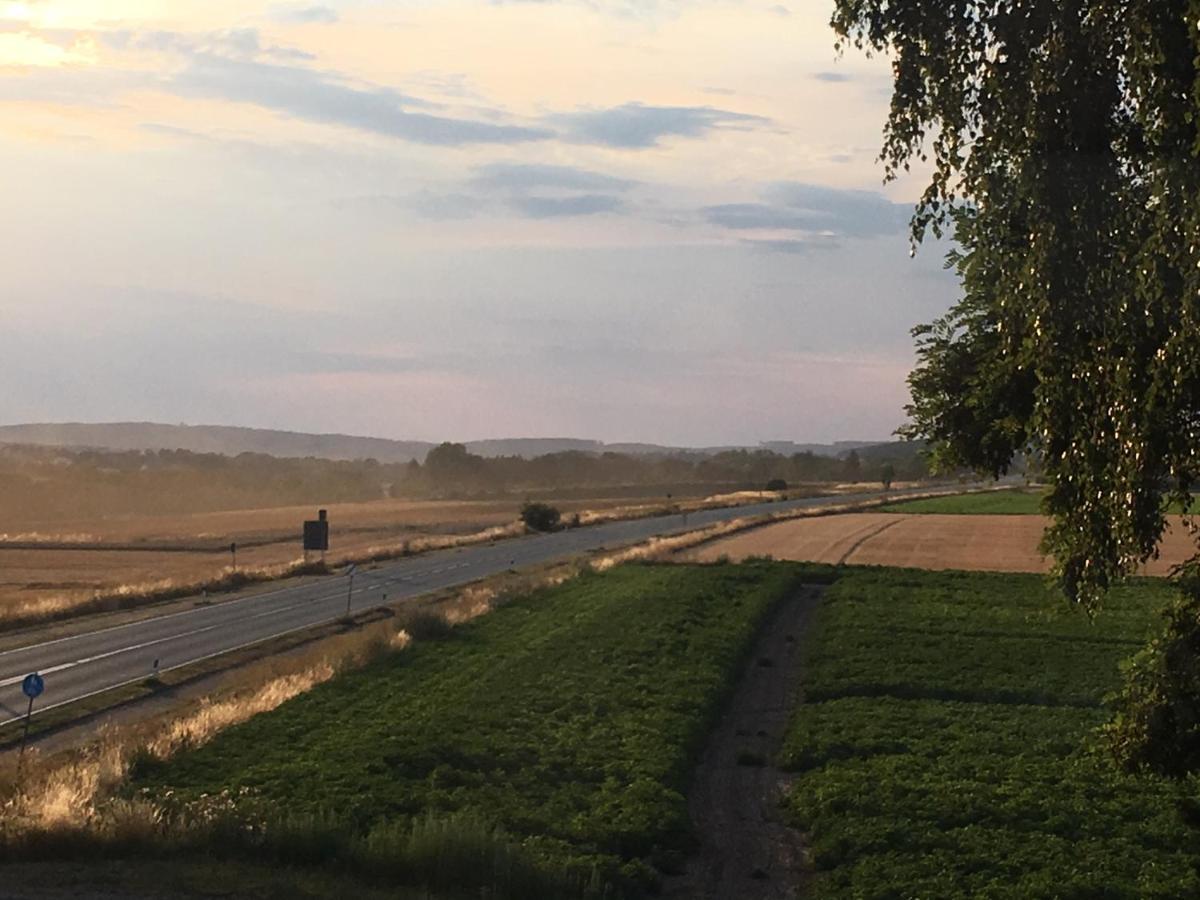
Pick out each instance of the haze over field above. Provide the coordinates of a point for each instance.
(232, 441)
(633, 221)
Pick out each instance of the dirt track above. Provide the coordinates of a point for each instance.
(746, 850)
(980, 543)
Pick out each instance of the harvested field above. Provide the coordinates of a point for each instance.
(995, 543)
(44, 566)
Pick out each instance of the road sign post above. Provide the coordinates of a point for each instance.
(31, 687)
(350, 589)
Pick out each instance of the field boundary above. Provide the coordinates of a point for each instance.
(229, 581)
(93, 706)
(227, 584)
(746, 848)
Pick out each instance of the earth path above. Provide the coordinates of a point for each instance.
(746, 850)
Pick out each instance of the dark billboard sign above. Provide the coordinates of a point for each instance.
(316, 533)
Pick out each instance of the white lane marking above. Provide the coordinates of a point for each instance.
(61, 667)
(90, 659)
(180, 665)
(241, 600)
(186, 663)
(236, 601)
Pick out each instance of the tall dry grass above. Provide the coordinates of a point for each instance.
(73, 793)
(77, 793)
(133, 596)
(78, 805)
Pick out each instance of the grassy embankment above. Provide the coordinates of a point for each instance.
(942, 745)
(542, 750)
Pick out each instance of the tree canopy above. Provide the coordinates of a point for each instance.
(1062, 137)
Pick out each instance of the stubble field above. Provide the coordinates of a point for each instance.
(62, 564)
(940, 541)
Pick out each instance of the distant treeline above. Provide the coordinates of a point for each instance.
(43, 483)
(450, 467)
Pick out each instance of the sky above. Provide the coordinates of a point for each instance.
(652, 220)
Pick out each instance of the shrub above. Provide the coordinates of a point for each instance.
(540, 516)
(1157, 721)
(427, 626)
(887, 474)
(777, 484)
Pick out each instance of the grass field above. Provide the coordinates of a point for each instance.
(1011, 503)
(570, 720)
(941, 745)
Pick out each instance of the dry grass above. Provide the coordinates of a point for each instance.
(130, 596)
(58, 606)
(77, 795)
(78, 792)
(71, 792)
(52, 584)
(105, 564)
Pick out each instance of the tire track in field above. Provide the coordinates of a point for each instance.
(866, 537)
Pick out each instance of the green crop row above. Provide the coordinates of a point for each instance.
(569, 720)
(1013, 503)
(945, 746)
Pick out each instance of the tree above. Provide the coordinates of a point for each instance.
(450, 464)
(540, 516)
(887, 474)
(852, 467)
(1063, 137)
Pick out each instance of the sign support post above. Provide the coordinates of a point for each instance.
(316, 534)
(350, 588)
(31, 687)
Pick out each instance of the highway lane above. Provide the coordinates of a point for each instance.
(79, 666)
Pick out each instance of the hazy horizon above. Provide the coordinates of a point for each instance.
(652, 222)
(477, 439)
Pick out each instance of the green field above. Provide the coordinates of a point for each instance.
(570, 719)
(1013, 503)
(941, 745)
(945, 747)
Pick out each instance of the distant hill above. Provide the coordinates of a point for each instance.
(232, 440)
(223, 439)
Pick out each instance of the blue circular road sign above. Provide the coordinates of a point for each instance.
(33, 685)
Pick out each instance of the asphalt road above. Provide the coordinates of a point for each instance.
(86, 664)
